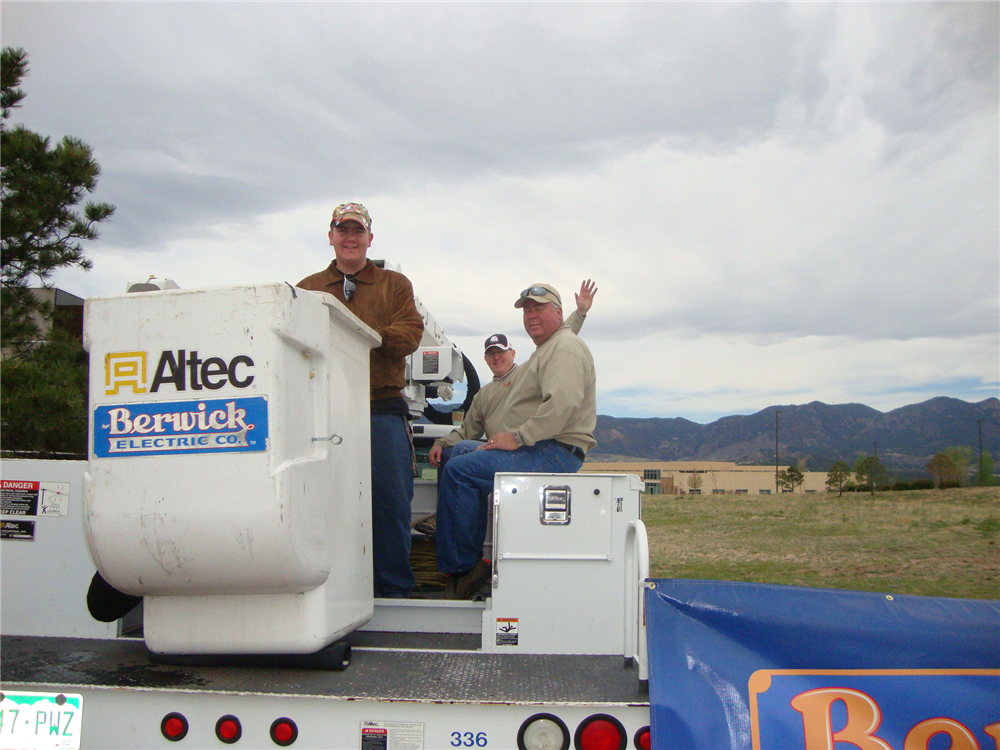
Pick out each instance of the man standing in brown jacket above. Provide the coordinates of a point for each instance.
(383, 299)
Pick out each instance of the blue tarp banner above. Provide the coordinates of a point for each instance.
(760, 667)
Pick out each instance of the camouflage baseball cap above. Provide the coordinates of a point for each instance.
(352, 211)
(543, 293)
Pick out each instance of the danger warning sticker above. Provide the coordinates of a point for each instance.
(31, 498)
(392, 735)
(506, 631)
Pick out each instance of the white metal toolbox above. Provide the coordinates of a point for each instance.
(566, 564)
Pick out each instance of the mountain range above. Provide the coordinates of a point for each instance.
(813, 435)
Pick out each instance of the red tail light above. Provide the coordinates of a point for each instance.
(284, 732)
(174, 726)
(643, 740)
(228, 729)
(601, 732)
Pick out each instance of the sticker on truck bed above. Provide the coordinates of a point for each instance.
(392, 735)
(29, 498)
(506, 631)
(237, 425)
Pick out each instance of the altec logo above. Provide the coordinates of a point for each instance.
(181, 369)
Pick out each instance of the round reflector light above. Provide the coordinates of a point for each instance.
(284, 732)
(228, 729)
(600, 732)
(174, 726)
(543, 732)
(643, 740)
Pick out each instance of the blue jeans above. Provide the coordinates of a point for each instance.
(464, 488)
(392, 493)
(459, 449)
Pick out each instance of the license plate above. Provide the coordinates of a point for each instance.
(40, 721)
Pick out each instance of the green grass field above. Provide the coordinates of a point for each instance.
(923, 542)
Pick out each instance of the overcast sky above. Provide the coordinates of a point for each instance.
(780, 203)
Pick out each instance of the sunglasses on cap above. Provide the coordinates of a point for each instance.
(535, 291)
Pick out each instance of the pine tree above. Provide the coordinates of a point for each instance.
(790, 478)
(984, 471)
(44, 400)
(43, 405)
(838, 477)
(41, 231)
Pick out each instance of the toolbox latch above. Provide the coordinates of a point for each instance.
(555, 506)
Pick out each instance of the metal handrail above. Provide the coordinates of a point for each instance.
(636, 572)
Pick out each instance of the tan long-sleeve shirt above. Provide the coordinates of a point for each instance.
(488, 406)
(555, 395)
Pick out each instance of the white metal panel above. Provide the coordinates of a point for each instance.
(115, 718)
(45, 581)
(426, 616)
(586, 534)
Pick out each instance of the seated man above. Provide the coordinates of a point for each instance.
(547, 427)
(483, 417)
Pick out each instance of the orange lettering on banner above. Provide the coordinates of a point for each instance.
(993, 730)
(961, 738)
(863, 718)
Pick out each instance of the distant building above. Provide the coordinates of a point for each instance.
(67, 313)
(705, 477)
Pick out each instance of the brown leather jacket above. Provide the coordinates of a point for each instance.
(383, 300)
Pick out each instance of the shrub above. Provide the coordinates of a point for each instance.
(901, 486)
(950, 485)
(850, 487)
(988, 527)
(922, 484)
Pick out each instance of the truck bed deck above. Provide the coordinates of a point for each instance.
(422, 667)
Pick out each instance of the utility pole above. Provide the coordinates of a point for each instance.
(982, 474)
(776, 490)
(871, 464)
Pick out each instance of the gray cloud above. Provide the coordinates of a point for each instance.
(940, 66)
(287, 97)
(747, 172)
